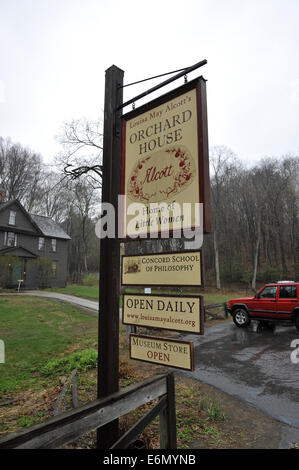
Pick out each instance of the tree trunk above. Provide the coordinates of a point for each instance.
(85, 261)
(282, 251)
(256, 254)
(217, 269)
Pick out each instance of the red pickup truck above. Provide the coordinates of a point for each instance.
(275, 302)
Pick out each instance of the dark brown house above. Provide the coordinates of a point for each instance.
(33, 249)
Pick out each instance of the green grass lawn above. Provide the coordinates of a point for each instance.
(211, 296)
(214, 297)
(87, 292)
(36, 331)
(45, 340)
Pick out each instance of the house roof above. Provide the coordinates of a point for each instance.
(18, 251)
(27, 215)
(3, 205)
(49, 227)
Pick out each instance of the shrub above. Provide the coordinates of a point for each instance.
(80, 360)
(7, 265)
(233, 272)
(44, 271)
(91, 280)
(269, 274)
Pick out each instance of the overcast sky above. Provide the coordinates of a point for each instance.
(54, 54)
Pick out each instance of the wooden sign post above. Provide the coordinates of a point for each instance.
(108, 359)
(178, 172)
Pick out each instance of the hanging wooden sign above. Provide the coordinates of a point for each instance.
(165, 161)
(168, 352)
(177, 313)
(167, 269)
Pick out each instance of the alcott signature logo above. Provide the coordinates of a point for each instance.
(162, 175)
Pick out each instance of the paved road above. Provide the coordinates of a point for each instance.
(254, 365)
(90, 304)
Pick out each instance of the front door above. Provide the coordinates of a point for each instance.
(17, 272)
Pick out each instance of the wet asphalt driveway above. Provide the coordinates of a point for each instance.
(255, 365)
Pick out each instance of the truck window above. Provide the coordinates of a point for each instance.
(288, 292)
(268, 293)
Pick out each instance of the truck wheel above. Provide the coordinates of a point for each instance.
(297, 322)
(241, 318)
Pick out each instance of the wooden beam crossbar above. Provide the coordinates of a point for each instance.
(72, 424)
(134, 432)
(222, 307)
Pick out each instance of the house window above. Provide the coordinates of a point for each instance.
(12, 218)
(54, 269)
(41, 243)
(10, 239)
(54, 244)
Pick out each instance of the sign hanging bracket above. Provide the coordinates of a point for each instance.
(162, 84)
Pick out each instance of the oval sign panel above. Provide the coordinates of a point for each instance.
(162, 175)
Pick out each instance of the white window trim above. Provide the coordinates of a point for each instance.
(41, 247)
(6, 239)
(54, 245)
(12, 215)
(54, 269)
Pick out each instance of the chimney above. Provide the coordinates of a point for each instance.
(2, 195)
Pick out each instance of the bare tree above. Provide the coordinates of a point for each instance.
(255, 214)
(82, 143)
(55, 196)
(20, 172)
(222, 160)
